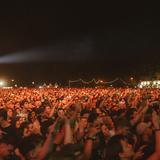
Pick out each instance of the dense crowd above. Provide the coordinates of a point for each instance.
(79, 124)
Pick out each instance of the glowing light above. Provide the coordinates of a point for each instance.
(2, 83)
(7, 87)
(154, 82)
(33, 82)
(131, 78)
(147, 82)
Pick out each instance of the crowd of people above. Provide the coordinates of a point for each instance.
(79, 124)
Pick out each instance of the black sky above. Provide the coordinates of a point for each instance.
(74, 39)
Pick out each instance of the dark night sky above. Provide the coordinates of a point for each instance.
(68, 40)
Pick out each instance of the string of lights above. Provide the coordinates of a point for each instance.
(124, 82)
(97, 82)
(141, 84)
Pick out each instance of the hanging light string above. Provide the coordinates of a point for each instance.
(123, 81)
(85, 82)
(106, 82)
(98, 81)
(73, 81)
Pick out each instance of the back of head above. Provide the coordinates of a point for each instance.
(29, 143)
(114, 147)
(92, 117)
(3, 114)
(68, 152)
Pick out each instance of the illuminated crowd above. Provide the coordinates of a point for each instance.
(79, 124)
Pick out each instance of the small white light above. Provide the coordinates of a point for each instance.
(144, 83)
(148, 82)
(154, 82)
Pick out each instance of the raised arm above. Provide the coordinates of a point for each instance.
(156, 124)
(140, 113)
(88, 146)
(53, 110)
(68, 135)
(48, 145)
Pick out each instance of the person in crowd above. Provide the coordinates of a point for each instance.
(79, 124)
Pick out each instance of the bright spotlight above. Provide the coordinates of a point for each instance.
(2, 83)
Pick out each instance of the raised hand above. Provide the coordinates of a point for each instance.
(155, 120)
(138, 155)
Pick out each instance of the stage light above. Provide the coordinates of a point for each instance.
(2, 83)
